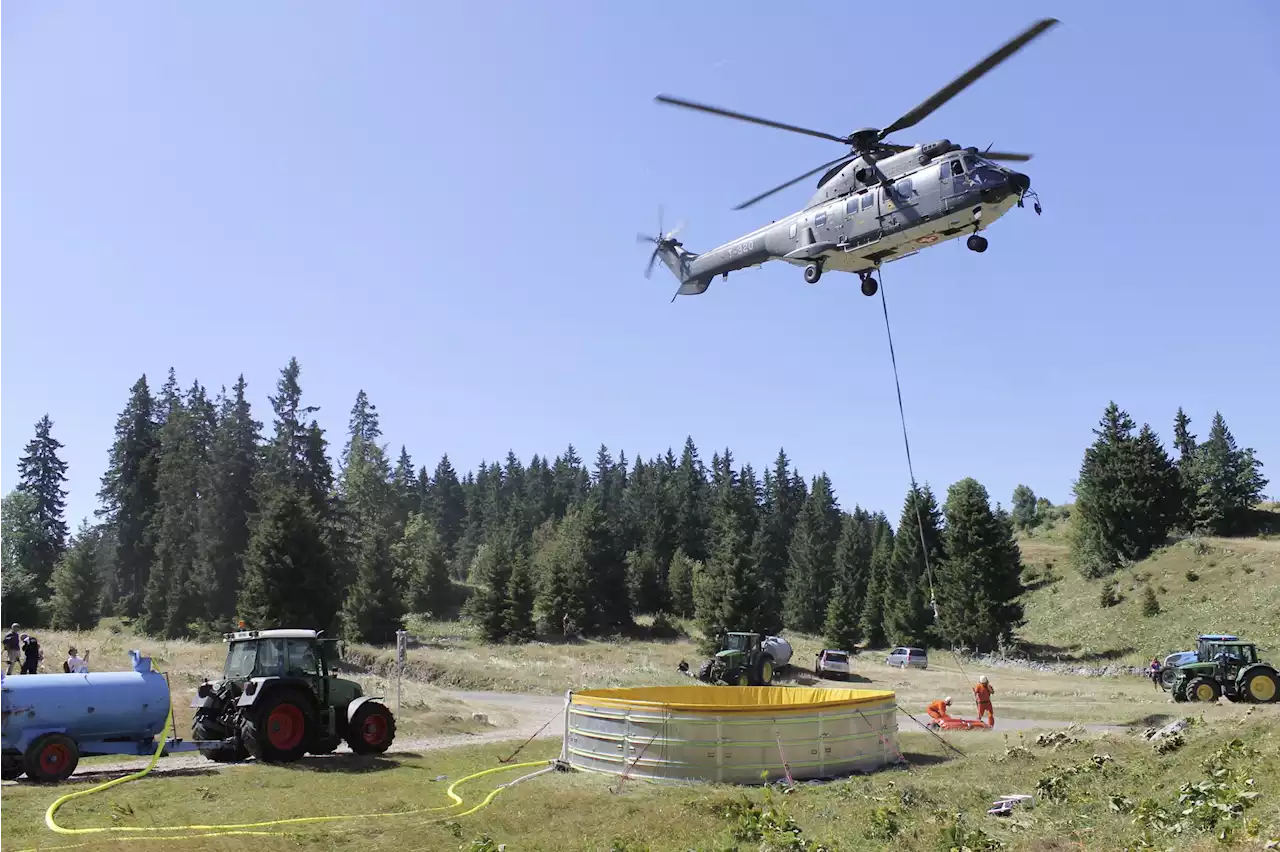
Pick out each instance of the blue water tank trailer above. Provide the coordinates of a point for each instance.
(51, 720)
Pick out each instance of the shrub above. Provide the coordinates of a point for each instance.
(1108, 597)
(1150, 603)
(1192, 576)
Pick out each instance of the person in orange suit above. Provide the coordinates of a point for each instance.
(983, 692)
(937, 710)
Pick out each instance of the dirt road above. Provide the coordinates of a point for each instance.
(514, 716)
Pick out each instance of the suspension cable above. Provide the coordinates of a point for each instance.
(902, 415)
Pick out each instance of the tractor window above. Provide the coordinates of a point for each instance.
(302, 658)
(270, 658)
(820, 219)
(329, 651)
(241, 657)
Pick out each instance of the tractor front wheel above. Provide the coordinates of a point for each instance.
(1260, 687)
(372, 729)
(1204, 689)
(279, 731)
(704, 671)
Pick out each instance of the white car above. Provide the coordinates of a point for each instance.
(833, 664)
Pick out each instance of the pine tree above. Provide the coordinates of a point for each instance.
(450, 506)
(19, 543)
(77, 586)
(129, 497)
(645, 582)
(287, 572)
(680, 584)
(725, 591)
(491, 606)
(41, 474)
(979, 582)
(692, 500)
(565, 569)
(228, 505)
(422, 568)
(872, 623)
(1185, 443)
(518, 619)
(405, 484)
(1024, 508)
(812, 558)
(1229, 482)
(840, 624)
(853, 572)
(372, 609)
(908, 613)
(1128, 495)
(172, 598)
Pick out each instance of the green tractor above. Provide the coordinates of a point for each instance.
(744, 661)
(278, 699)
(1223, 668)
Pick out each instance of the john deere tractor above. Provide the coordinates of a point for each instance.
(1229, 668)
(740, 662)
(278, 699)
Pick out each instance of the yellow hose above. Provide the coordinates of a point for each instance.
(248, 827)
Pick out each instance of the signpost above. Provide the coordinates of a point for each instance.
(402, 643)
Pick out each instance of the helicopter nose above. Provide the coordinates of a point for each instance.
(1020, 182)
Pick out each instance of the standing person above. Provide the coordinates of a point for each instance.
(74, 664)
(982, 693)
(32, 655)
(12, 650)
(1156, 670)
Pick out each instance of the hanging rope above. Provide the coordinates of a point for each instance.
(902, 415)
(915, 491)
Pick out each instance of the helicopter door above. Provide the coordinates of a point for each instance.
(951, 184)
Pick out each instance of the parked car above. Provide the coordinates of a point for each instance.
(915, 658)
(833, 664)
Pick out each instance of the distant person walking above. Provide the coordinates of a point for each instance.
(1155, 671)
(32, 655)
(12, 650)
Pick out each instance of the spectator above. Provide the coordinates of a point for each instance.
(12, 650)
(74, 664)
(32, 655)
(1155, 671)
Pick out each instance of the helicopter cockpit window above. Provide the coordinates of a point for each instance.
(970, 163)
(956, 168)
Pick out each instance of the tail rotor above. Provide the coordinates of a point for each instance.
(660, 242)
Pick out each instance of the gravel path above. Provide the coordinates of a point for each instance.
(528, 713)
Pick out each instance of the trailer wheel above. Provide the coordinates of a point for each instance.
(372, 729)
(279, 730)
(51, 758)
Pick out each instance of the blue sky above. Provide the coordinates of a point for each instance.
(438, 203)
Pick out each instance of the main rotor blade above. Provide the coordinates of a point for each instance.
(667, 99)
(966, 79)
(845, 158)
(1005, 155)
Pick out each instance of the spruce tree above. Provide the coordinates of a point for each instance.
(20, 537)
(422, 568)
(693, 504)
(1184, 441)
(1024, 508)
(287, 573)
(871, 624)
(128, 496)
(565, 571)
(979, 582)
(41, 474)
(1229, 482)
(405, 484)
(908, 612)
(645, 582)
(812, 558)
(450, 506)
(228, 504)
(680, 584)
(518, 623)
(853, 571)
(726, 590)
(77, 585)
(840, 623)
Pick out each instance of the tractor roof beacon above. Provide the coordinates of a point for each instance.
(1226, 668)
(279, 699)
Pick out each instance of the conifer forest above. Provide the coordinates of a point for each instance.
(208, 516)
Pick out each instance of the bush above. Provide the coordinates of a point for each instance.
(1150, 603)
(1192, 576)
(1108, 597)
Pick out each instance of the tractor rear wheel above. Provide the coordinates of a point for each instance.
(372, 729)
(51, 758)
(279, 730)
(1204, 689)
(1260, 686)
(766, 670)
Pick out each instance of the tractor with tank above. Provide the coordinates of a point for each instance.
(1226, 668)
(745, 659)
(279, 699)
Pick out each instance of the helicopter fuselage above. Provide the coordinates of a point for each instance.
(865, 214)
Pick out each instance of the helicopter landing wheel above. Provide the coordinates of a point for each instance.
(812, 273)
(977, 243)
(869, 285)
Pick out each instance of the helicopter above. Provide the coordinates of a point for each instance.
(878, 203)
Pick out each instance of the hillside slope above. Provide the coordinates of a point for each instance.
(1203, 585)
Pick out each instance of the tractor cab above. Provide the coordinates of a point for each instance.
(1207, 641)
(739, 643)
